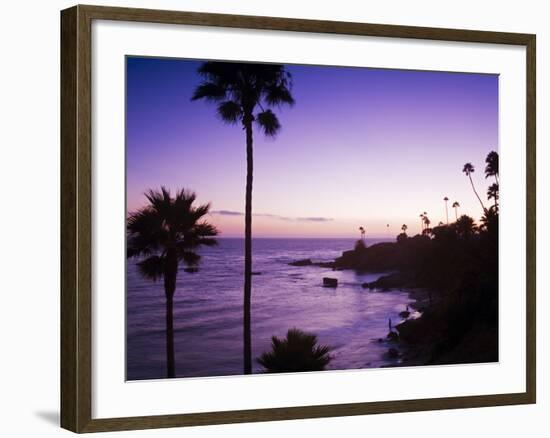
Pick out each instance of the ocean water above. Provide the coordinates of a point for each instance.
(208, 310)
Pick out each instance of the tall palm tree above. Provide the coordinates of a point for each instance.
(362, 231)
(427, 223)
(422, 222)
(404, 228)
(491, 168)
(163, 234)
(455, 206)
(468, 169)
(244, 94)
(446, 208)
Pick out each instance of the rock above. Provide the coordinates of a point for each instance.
(405, 313)
(387, 282)
(330, 282)
(393, 353)
(392, 336)
(256, 273)
(304, 262)
(191, 270)
(375, 258)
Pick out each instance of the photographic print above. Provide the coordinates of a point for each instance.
(304, 218)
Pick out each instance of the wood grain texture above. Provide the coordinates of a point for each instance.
(76, 222)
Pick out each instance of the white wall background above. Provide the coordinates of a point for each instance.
(29, 214)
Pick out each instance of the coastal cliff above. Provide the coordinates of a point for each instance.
(452, 272)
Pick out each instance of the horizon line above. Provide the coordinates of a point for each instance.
(305, 237)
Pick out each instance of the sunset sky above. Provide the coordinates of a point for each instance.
(361, 147)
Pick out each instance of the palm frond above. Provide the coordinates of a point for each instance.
(491, 169)
(268, 122)
(165, 224)
(145, 233)
(190, 258)
(492, 192)
(205, 229)
(152, 267)
(160, 201)
(209, 91)
(200, 211)
(278, 94)
(230, 111)
(468, 168)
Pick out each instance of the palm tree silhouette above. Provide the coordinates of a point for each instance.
(492, 193)
(446, 208)
(455, 206)
(404, 228)
(465, 226)
(362, 231)
(299, 351)
(491, 168)
(468, 169)
(238, 89)
(165, 233)
(427, 223)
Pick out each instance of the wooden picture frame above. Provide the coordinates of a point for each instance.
(76, 201)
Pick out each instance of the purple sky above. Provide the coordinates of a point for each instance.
(366, 147)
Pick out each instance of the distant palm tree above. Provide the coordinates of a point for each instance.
(446, 208)
(422, 222)
(403, 236)
(165, 233)
(362, 231)
(455, 206)
(492, 193)
(491, 169)
(299, 351)
(427, 223)
(239, 89)
(468, 169)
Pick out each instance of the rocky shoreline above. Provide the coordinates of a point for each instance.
(445, 331)
(361, 260)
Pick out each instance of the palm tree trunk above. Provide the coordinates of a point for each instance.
(170, 275)
(170, 360)
(447, 212)
(247, 344)
(475, 191)
(456, 213)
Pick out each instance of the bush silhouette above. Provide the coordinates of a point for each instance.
(297, 352)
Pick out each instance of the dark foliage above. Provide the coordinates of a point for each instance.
(299, 351)
(458, 265)
(164, 234)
